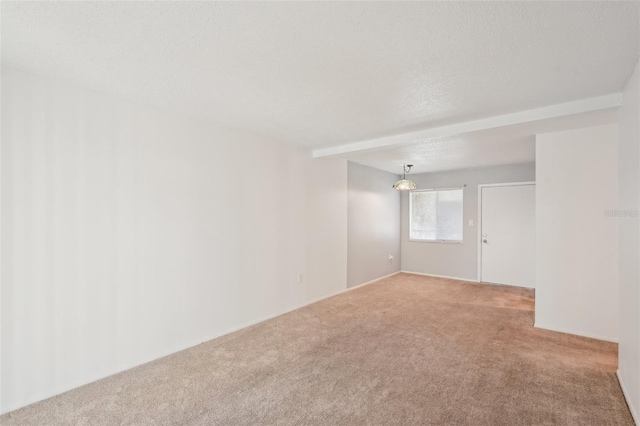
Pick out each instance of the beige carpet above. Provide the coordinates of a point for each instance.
(406, 350)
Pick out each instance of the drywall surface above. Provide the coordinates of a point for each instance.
(455, 260)
(330, 73)
(576, 238)
(373, 224)
(629, 243)
(130, 233)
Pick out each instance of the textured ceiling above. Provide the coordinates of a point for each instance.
(504, 145)
(327, 73)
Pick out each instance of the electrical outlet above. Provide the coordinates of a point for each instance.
(300, 279)
(390, 258)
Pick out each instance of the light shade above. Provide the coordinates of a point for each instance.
(404, 185)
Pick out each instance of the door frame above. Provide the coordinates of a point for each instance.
(488, 185)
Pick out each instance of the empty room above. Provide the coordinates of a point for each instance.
(320, 213)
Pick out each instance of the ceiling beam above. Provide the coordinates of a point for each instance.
(613, 100)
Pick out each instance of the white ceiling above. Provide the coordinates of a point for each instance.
(323, 74)
(504, 145)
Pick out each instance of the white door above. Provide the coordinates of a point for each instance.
(508, 232)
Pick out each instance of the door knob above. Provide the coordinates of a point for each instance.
(484, 241)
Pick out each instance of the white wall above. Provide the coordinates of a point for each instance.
(576, 242)
(629, 243)
(373, 224)
(455, 260)
(130, 233)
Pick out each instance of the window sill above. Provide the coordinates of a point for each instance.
(435, 241)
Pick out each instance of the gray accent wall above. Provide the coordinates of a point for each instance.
(373, 224)
(455, 260)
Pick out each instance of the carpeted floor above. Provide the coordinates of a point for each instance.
(406, 350)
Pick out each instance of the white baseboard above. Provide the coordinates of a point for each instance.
(286, 311)
(187, 346)
(372, 281)
(565, 331)
(295, 308)
(440, 276)
(626, 396)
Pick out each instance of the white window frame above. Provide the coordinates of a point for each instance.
(416, 240)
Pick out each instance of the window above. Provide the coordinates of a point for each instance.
(435, 215)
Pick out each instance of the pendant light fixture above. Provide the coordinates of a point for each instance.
(405, 184)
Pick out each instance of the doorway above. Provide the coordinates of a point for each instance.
(507, 234)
